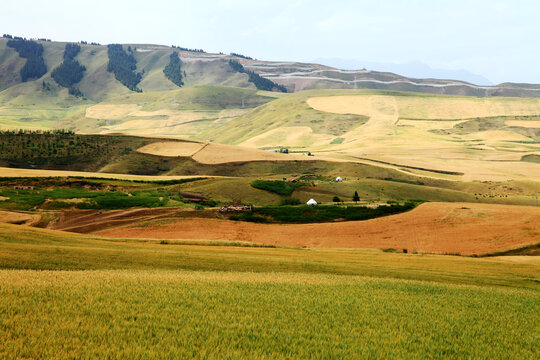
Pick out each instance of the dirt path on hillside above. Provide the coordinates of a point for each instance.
(442, 228)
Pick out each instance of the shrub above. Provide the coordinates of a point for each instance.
(314, 214)
(276, 186)
(120, 200)
(290, 201)
(336, 199)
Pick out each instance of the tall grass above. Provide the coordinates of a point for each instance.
(146, 300)
(210, 315)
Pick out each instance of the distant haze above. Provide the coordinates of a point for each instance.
(415, 69)
(497, 39)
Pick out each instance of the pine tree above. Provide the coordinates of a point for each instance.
(356, 198)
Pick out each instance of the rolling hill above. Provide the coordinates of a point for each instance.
(480, 137)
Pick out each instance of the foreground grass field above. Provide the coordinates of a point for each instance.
(182, 314)
(146, 299)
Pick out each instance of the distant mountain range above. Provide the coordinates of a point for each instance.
(414, 69)
(26, 73)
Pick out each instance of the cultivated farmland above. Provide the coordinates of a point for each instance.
(153, 300)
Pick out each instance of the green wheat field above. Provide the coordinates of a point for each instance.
(68, 296)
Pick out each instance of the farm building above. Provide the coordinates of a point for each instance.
(24, 187)
(235, 208)
(311, 202)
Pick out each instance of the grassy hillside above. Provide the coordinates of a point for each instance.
(98, 84)
(476, 138)
(118, 154)
(229, 301)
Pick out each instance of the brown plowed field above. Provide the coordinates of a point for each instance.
(442, 228)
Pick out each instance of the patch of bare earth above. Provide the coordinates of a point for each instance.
(439, 228)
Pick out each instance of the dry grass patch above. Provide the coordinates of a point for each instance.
(116, 111)
(218, 153)
(15, 172)
(171, 148)
(523, 123)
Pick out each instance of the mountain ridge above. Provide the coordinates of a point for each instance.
(203, 68)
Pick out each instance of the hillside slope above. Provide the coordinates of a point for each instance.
(202, 68)
(483, 138)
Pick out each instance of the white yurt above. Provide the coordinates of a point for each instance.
(339, 179)
(312, 202)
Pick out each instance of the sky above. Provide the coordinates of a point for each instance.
(497, 39)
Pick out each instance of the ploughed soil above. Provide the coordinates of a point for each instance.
(439, 228)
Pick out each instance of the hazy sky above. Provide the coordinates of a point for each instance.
(498, 39)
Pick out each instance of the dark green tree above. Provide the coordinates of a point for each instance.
(356, 198)
(123, 66)
(173, 71)
(33, 53)
(259, 82)
(70, 71)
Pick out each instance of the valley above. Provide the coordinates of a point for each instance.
(164, 202)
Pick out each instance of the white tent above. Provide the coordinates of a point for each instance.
(312, 202)
(339, 179)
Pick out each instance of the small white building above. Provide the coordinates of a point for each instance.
(311, 202)
(339, 179)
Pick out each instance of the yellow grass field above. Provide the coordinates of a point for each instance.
(289, 134)
(218, 154)
(528, 124)
(14, 172)
(107, 111)
(406, 130)
(18, 217)
(171, 148)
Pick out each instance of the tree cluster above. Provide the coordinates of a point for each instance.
(173, 71)
(60, 149)
(33, 53)
(241, 56)
(123, 65)
(71, 51)
(70, 71)
(259, 82)
(187, 49)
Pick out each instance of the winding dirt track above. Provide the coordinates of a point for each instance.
(440, 228)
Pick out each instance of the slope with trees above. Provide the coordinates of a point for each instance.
(123, 65)
(173, 71)
(260, 82)
(70, 71)
(33, 53)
